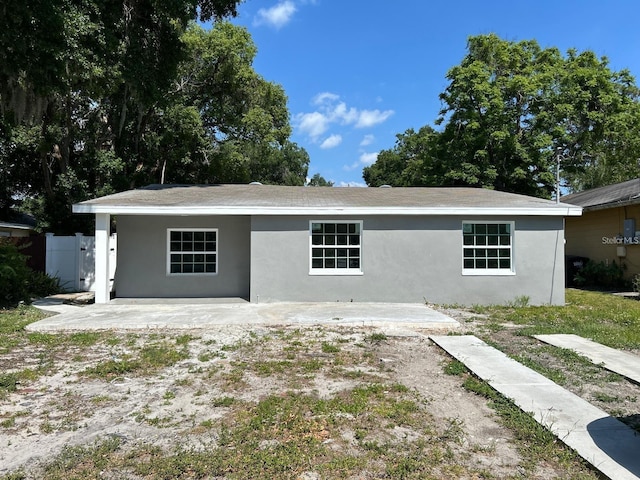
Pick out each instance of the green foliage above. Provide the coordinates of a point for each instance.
(455, 367)
(319, 181)
(14, 275)
(18, 283)
(101, 97)
(601, 275)
(509, 110)
(519, 301)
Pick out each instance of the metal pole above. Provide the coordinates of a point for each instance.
(558, 175)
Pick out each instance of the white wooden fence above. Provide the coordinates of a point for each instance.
(72, 261)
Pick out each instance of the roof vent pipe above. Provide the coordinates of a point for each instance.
(255, 183)
(385, 186)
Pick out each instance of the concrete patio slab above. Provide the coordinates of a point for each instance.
(623, 363)
(608, 444)
(178, 314)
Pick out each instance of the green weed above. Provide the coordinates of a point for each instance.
(329, 348)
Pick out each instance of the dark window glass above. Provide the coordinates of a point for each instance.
(188, 243)
(329, 235)
(490, 235)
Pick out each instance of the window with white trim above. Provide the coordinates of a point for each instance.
(192, 251)
(335, 247)
(487, 248)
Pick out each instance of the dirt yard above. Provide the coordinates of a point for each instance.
(240, 402)
(277, 402)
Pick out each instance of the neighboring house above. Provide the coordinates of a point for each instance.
(22, 226)
(609, 229)
(20, 230)
(276, 243)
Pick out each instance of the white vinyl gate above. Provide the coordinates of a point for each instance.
(72, 261)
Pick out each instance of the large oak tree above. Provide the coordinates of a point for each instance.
(510, 111)
(101, 96)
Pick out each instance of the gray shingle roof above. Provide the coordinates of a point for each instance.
(617, 195)
(272, 199)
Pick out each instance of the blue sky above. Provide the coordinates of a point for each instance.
(358, 72)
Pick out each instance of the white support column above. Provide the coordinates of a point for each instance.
(78, 260)
(102, 257)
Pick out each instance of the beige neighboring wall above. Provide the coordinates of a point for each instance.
(588, 236)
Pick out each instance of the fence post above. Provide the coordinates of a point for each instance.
(48, 255)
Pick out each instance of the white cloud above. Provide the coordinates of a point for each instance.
(277, 16)
(313, 124)
(369, 118)
(367, 140)
(331, 142)
(368, 158)
(365, 160)
(325, 97)
(331, 110)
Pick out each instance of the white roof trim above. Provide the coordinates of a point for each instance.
(16, 226)
(561, 211)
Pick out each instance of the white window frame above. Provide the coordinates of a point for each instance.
(204, 252)
(335, 271)
(490, 271)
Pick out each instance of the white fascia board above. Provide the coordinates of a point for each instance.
(568, 211)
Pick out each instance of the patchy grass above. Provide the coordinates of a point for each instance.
(150, 359)
(277, 403)
(535, 443)
(12, 323)
(604, 318)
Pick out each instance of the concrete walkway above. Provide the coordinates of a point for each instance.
(608, 444)
(184, 313)
(623, 363)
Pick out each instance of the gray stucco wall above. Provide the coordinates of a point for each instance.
(142, 258)
(407, 259)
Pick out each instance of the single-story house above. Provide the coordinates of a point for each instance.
(608, 230)
(279, 243)
(20, 225)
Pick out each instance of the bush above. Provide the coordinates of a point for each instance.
(601, 275)
(18, 283)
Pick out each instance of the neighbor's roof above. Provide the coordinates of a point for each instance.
(15, 226)
(281, 200)
(617, 195)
